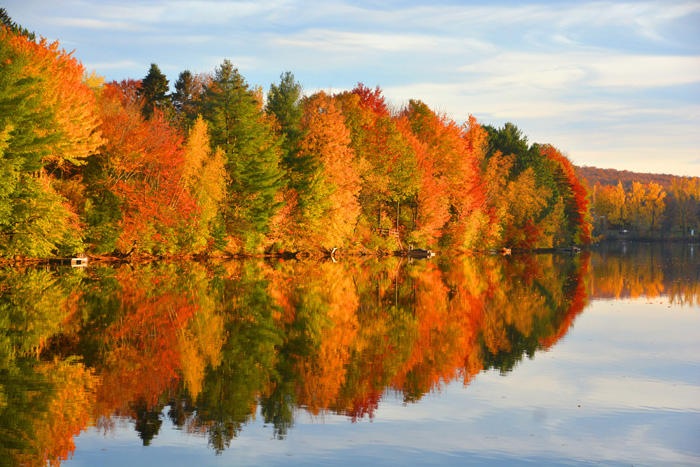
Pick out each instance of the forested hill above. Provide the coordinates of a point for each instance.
(643, 202)
(606, 177)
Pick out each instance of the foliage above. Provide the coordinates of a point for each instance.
(186, 98)
(153, 91)
(132, 169)
(48, 123)
(136, 180)
(252, 147)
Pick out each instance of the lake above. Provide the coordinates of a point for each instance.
(529, 359)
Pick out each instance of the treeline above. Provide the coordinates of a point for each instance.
(649, 207)
(595, 175)
(131, 168)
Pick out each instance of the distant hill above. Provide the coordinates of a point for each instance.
(594, 175)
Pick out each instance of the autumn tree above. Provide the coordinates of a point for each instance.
(455, 154)
(48, 127)
(137, 198)
(574, 195)
(384, 159)
(204, 177)
(431, 205)
(328, 206)
(686, 192)
(646, 205)
(610, 202)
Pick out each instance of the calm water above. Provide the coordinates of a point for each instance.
(552, 359)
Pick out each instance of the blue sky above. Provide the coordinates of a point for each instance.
(611, 84)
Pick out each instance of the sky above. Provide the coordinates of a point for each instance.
(611, 84)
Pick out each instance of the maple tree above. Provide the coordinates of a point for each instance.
(384, 159)
(137, 199)
(454, 154)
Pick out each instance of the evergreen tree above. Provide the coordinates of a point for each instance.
(154, 91)
(283, 102)
(252, 147)
(187, 96)
(6, 21)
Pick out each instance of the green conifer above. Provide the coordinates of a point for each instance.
(154, 91)
(252, 147)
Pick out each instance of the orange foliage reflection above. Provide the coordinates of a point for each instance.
(214, 344)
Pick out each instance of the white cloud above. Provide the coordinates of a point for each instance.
(645, 71)
(92, 23)
(586, 69)
(340, 41)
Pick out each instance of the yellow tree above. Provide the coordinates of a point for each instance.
(495, 176)
(204, 176)
(646, 205)
(654, 205)
(610, 202)
(330, 207)
(686, 191)
(635, 204)
(526, 201)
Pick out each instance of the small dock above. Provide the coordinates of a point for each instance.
(573, 250)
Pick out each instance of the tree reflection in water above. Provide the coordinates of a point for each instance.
(208, 344)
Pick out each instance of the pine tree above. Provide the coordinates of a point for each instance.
(252, 147)
(283, 102)
(187, 96)
(154, 91)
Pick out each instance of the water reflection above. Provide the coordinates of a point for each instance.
(210, 345)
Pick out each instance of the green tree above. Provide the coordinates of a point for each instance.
(284, 102)
(186, 97)
(510, 140)
(154, 91)
(238, 125)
